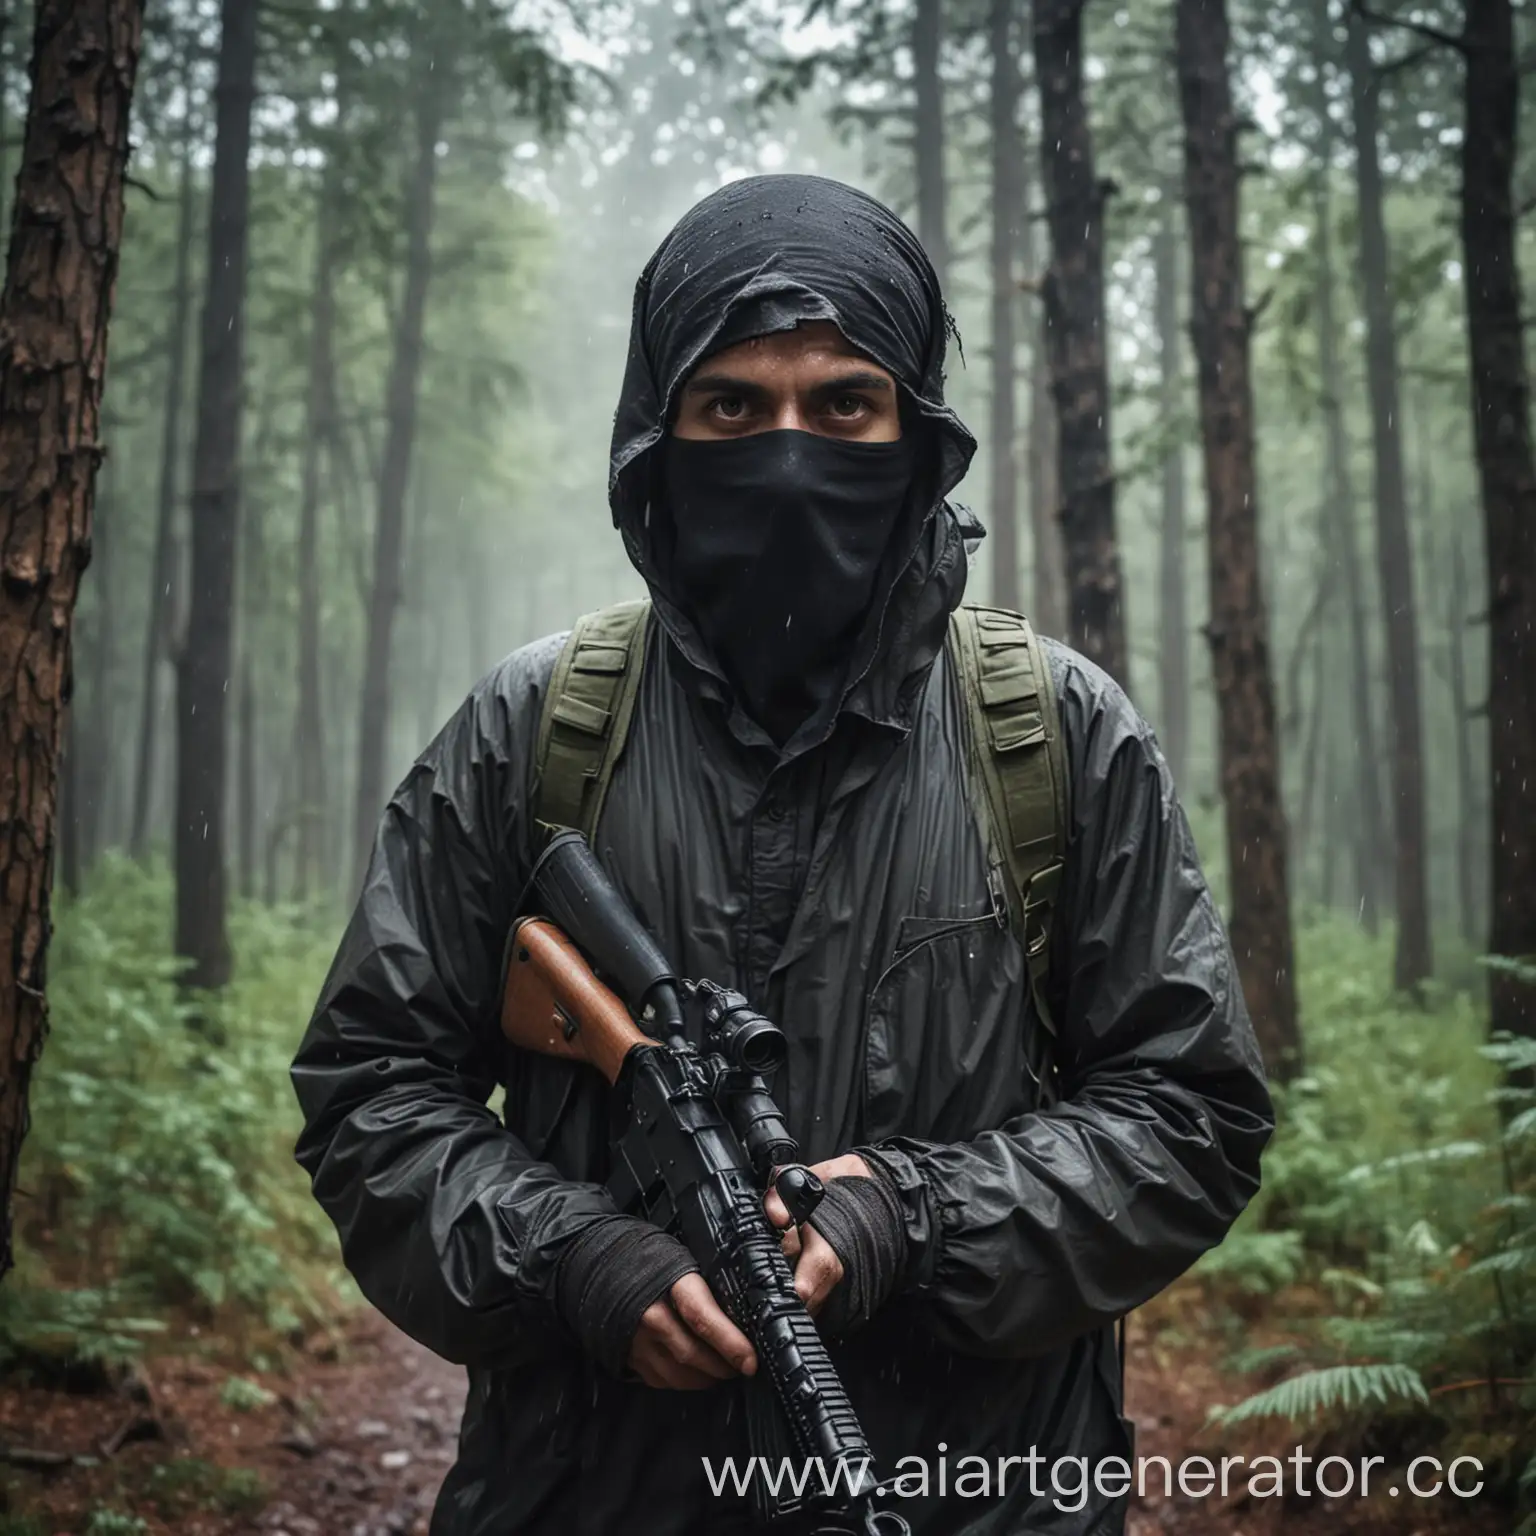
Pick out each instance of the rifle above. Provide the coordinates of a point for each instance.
(699, 1140)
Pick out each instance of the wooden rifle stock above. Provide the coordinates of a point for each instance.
(555, 1005)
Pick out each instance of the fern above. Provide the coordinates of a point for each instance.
(1513, 1053)
(1334, 1389)
(1521, 967)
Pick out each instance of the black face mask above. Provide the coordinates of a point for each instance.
(778, 543)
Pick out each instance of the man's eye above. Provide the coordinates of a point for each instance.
(729, 407)
(849, 406)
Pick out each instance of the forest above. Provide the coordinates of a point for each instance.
(1238, 287)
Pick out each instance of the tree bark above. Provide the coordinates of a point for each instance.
(159, 626)
(1248, 749)
(1173, 607)
(246, 812)
(1048, 563)
(1448, 558)
(1507, 478)
(205, 665)
(1075, 331)
(1313, 747)
(928, 134)
(61, 272)
(1468, 820)
(1367, 839)
(7, 25)
(309, 720)
(1007, 216)
(1394, 545)
(395, 472)
(96, 755)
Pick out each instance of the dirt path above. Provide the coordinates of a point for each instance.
(356, 1440)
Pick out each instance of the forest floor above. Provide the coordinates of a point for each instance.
(355, 1438)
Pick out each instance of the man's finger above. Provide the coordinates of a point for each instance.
(658, 1341)
(653, 1363)
(685, 1347)
(818, 1271)
(848, 1166)
(694, 1303)
(789, 1244)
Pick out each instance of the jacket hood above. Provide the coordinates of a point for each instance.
(764, 255)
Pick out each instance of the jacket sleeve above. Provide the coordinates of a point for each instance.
(1065, 1219)
(449, 1225)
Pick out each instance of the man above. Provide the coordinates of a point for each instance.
(790, 816)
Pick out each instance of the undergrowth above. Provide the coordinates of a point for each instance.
(1389, 1260)
(1394, 1242)
(158, 1186)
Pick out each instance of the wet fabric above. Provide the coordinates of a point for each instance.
(842, 885)
(778, 541)
(607, 1279)
(863, 1223)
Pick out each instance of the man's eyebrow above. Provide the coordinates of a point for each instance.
(721, 383)
(859, 379)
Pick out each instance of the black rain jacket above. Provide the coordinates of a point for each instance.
(842, 885)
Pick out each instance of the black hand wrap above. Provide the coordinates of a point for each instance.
(862, 1222)
(609, 1276)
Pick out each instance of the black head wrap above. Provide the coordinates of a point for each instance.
(763, 255)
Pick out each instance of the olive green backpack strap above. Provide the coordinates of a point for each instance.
(1017, 761)
(586, 715)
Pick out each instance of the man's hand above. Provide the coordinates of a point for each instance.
(818, 1270)
(685, 1342)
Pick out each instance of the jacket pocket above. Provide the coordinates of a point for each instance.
(946, 1027)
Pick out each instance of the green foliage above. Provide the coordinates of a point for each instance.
(189, 1483)
(1255, 1261)
(1401, 1185)
(159, 1166)
(1313, 1395)
(108, 1522)
(1396, 1099)
(39, 1325)
(245, 1395)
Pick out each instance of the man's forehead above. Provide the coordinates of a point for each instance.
(809, 339)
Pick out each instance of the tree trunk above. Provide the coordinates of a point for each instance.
(1007, 153)
(1448, 558)
(309, 721)
(1468, 821)
(1313, 748)
(1173, 608)
(395, 473)
(1074, 310)
(253, 606)
(1367, 840)
(1507, 478)
(246, 811)
(1048, 564)
(1248, 750)
(7, 25)
(204, 666)
(66, 230)
(96, 744)
(1394, 545)
(158, 631)
(928, 134)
